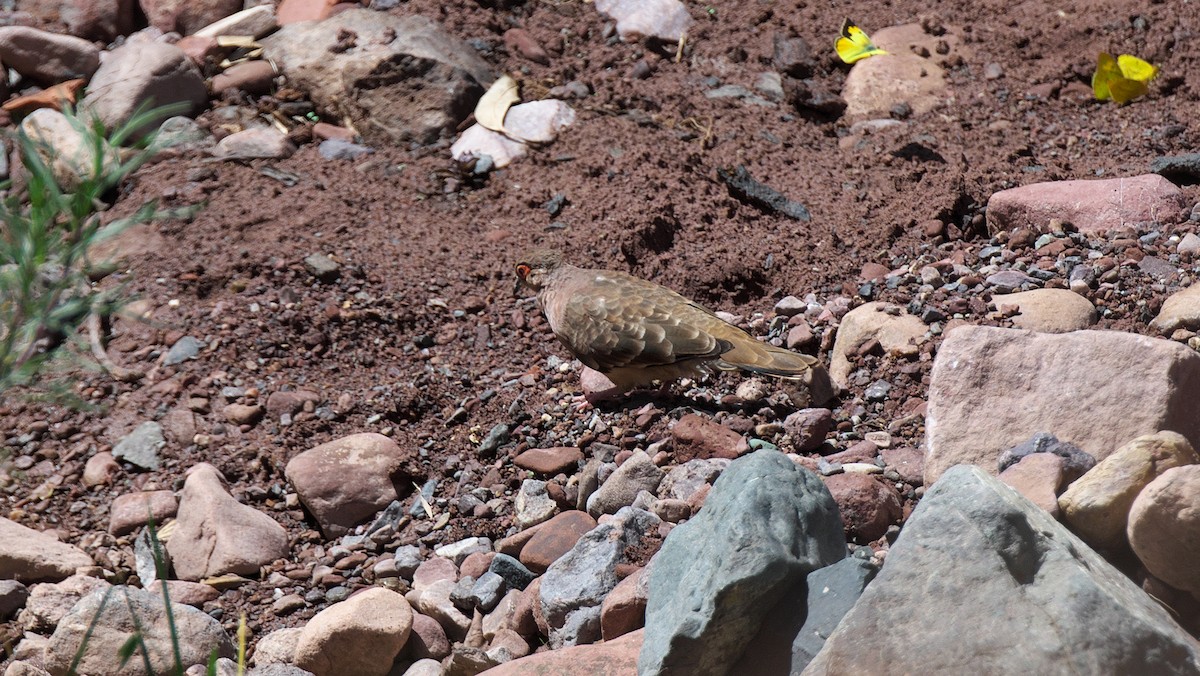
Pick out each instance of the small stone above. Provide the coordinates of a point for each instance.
(184, 349)
(1038, 477)
(555, 538)
(867, 506)
(141, 446)
(550, 461)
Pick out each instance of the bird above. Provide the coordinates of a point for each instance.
(637, 332)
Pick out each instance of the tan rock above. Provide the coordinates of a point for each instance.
(899, 333)
(1096, 507)
(131, 511)
(875, 85)
(610, 658)
(361, 635)
(1164, 527)
(1038, 477)
(29, 555)
(994, 388)
(1181, 310)
(624, 609)
(216, 534)
(1049, 310)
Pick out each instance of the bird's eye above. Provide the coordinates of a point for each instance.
(523, 270)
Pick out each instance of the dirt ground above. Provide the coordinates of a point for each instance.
(423, 320)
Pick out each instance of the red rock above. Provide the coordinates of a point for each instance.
(292, 401)
(698, 437)
(1092, 206)
(555, 538)
(187, 16)
(511, 642)
(908, 462)
(518, 41)
(427, 640)
(194, 594)
(862, 451)
(252, 77)
(476, 564)
(808, 427)
(199, 49)
(624, 609)
(550, 461)
(1037, 476)
(867, 506)
(131, 511)
(432, 570)
(293, 11)
(523, 621)
(873, 272)
(610, 658)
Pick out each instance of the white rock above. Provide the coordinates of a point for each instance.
(478, 141)
(538, 121)
(663, 19)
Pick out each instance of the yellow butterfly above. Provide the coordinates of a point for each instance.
(1122, 79)
(855, 45)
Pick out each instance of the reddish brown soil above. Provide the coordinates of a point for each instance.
(424, 320)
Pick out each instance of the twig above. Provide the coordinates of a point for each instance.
(119, 372)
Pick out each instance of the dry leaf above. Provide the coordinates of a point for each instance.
(494, 104)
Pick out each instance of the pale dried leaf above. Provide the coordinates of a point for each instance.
(494, 104)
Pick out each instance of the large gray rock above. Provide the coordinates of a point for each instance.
(29, 555)
(403, 78)
(982, 581)
(144, 73)
(347, 480)
(832, 592)
(216, 534)
(115, 623)
(766, 524)
(575, 585)
(993, 388)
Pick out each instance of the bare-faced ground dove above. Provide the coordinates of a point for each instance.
(636, 332)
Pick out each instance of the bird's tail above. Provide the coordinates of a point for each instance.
(759, 357)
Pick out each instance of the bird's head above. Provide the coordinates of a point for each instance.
(534, 268)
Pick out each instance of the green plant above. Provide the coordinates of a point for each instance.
(48, 237)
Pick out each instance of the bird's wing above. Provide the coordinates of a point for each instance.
(623, 321)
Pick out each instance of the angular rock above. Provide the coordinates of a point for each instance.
(1038, 477)
(638, 473)
(1076, 461)
(1096, 507)
(533, 504)
(898, 332)
(1039, 382)
(347, 480)
(13, 596)
(808, 427)
(1181, 310)
(216, 534)
(134, 510)
(696, 437)
(478, 142)
(624, 609)
(618, 657)
(402, 79)
(252, 77)
(832, 592)
(1049, 310)
(141, 446)
(867, 506)
(29, 555)
(538, 121)
(767, 524)
(361, 635)
(1164, 527)
(515, 574)
(875, 85)
(47, 58)
(689, 478)
(1012, 606)
(428, 639)
(140, 73)
(1092, 206)
(435, 602)
(114, 624)
(48, 603)
(555, 538)
(575, 585)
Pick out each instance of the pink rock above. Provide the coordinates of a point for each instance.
(519, 41)
(199, 49)
(550, 461)
(96, 20)
(476, 564)
(523, 620)
(260, 142)
(876, 85)
(610, 658)
(100, 469)
(293, 11)
(30, 555)
(216, 534)
(326, 131)
(1164, 527)
(139, 72)
(538, 121)
(624, 609)
(187, 16)
(555, 538)
(867, 506)
(533, 594)
(667, 20)
(697, 437)
(134, 510)
(433, 570)
(291, 401)
(47, 58)
(512, 644)
(1038, 477)
(1092, 206)
(349, 479)
(808, 427)
(194, 594)
(428, 639)
(252, 77)
(908, 462)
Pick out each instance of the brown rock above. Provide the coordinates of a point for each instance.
(252, 77)
(326, 131)
(62, 95)
(30, 555)
(697, 437)
(361, 635)
(518, 41)
(476, 564)
(550, 461)
(867, 506)
(808, 427)
(1037, 476)
(100, 469)
(243, 414)
(624, 609)
(875, 85)
(428, 639)
(194, 594)
(899, 333)
(47, 58)
(187, 16)
(134, 510)
(199, 48)
(555, 538)
(908, 462)
(611, 658)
